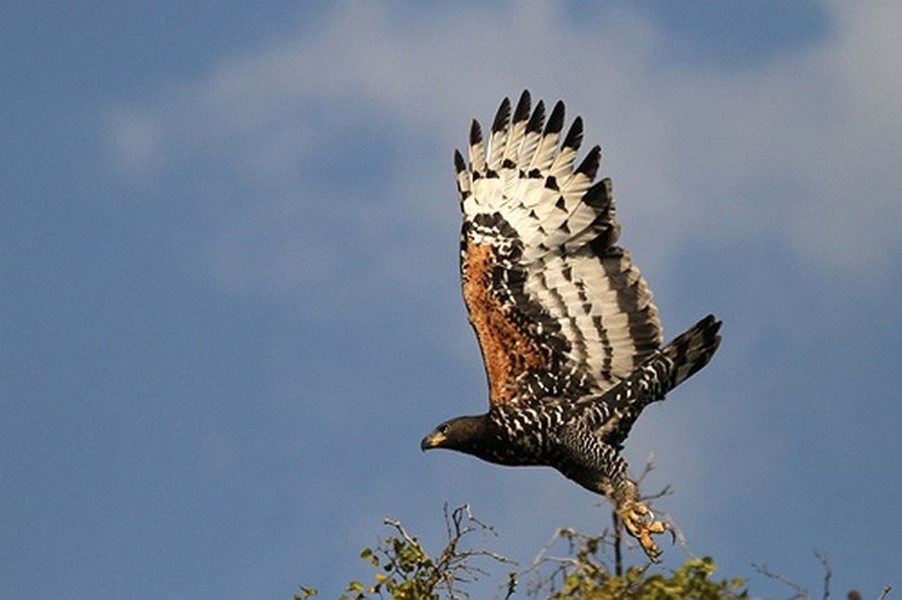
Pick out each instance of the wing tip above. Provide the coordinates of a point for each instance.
(475, 133)
(460, 164)
(537, 120)
(521, 113)
(502, 117)
(591, 163)
(556, 120)
(574, 137)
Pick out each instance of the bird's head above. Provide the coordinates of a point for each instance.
(458, 433)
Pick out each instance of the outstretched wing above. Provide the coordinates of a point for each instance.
(553, 301)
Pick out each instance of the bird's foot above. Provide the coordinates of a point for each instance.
(641, 524)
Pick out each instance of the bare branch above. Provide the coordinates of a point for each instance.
(646, 469)
(828, 573)
(550, 572)
(800, 592)
(452, 567)
(618, 543)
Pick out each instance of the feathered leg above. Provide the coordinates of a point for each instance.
(599, 467)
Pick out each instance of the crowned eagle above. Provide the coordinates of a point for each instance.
(570, 336)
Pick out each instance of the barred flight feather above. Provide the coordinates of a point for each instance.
(555, 269)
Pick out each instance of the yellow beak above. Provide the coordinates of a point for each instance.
(433, 440)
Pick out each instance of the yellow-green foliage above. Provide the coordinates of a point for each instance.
(692, 580)
(405, 571)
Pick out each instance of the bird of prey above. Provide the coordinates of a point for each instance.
(569, 334)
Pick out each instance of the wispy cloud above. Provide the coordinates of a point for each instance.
(792, 151)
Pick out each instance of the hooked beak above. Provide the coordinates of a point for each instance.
(433, 440)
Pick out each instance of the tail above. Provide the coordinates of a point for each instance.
(693, 349)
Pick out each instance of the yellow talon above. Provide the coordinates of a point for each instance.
(641, 523)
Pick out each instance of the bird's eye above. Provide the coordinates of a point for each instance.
(443, 428)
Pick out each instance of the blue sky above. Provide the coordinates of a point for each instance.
(228, 242)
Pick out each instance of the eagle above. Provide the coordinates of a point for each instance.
(570, 337)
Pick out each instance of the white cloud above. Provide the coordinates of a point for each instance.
(797, 150)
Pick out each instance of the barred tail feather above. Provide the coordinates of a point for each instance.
(693, 349)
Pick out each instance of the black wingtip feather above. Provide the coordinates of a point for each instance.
(459, 163)
(575, 134)
(538, 118)
(556, 121)
(502, 116)
(599, 196)
(475, 133)
(590, 164)
(521, 113)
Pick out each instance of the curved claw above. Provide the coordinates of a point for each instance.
(641, 524)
